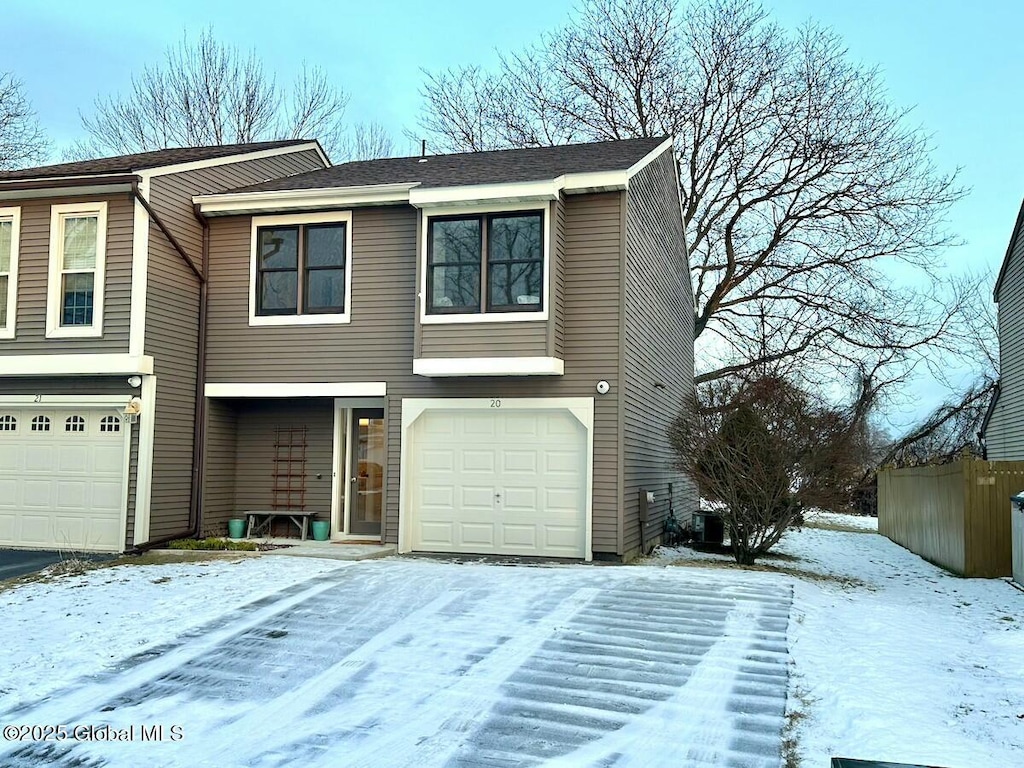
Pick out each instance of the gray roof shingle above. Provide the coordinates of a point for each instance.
(495, 167)
(128, 163)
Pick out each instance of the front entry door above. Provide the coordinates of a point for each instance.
(367, 472)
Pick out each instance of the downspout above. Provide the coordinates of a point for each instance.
(198, 431)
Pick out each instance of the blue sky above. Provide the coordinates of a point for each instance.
(958, 64)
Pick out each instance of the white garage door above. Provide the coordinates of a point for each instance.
(61, 478)
(509, 482)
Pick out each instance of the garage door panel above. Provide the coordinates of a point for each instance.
(73, 458)
(477, 460)
(520, 500)
(109, 459)
(476, 497)
(40, 458)
(62, 487)
(438, 535)
(37, 493)
(519, 461)
(435, 460)
(533, 466)
(519, 535)
(476, 535)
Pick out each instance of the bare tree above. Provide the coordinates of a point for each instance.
(813, 211)
(366, 141)
(765, 450)
(205, 92)
(22, 141)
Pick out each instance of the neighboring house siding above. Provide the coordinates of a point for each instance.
(258, 423)
(172, 320)
(219, 469)
(378, 344)
(1005, 435)
(33, 272)
(658, 348)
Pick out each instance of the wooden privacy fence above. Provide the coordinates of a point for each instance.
(955, 515)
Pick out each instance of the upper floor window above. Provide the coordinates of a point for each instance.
(300, 270)
(478, 264)
(78, 237)
(10, 226)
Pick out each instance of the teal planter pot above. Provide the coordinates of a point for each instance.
(236, 528)
(321, 530)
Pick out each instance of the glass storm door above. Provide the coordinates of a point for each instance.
(367, 470)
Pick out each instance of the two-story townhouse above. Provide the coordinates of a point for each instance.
(470, 353)
(101, 293)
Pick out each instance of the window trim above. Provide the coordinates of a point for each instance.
(315, 318)
(484, 316)
(7, 331)
(58, 213)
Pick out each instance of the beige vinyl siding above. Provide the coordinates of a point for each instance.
(219, 469)
(33, 273)
(378, 344)
(1005, 434)
(86, 385)
(512, 339)
(658, 348)
(254, 461)
(172, 320)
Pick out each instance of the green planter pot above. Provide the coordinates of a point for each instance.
(236, 528)
(321, 530)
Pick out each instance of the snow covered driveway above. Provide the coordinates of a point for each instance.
(395, 663)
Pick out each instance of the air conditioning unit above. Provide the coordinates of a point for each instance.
(708, 528)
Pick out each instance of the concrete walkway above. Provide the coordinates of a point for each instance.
(404, 662)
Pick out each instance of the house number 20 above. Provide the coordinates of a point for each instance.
(495, 402)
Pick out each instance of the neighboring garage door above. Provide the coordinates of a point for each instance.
(62, 478)
(509, 482)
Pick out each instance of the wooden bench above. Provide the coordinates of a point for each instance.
(260, 521)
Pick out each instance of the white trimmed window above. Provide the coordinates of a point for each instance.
(10, 231)
(485, 265)
(300, 269)
(78, 240)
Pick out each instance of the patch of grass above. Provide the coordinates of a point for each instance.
(214, 544)
(847, 582)
(790, 738)
(825, 525)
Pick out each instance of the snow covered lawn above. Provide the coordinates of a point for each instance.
(293, 661)
(895, 659)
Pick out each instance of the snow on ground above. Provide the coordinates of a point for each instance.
(55, 631)
(891, 658)
(895, 659)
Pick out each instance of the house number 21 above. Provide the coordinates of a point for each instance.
(495, 402)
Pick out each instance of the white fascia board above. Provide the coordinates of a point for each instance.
(76, 365)
(301, 389)
(92, 190)
(425, 197)
(229, 203)
(238, 157)
(597, 181)
(649, 158)
(488, 366)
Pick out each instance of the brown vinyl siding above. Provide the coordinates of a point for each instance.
(1004, 437)
(219, 469)
(658, 349)
(258, 422)
(378, 343)
(172, 320)
(33, 274)
(557, 325)
(511, 339)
